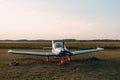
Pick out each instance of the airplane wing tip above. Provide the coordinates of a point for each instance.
(9, 51)
(100, 49)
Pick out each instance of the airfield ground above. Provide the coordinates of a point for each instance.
(82, 67)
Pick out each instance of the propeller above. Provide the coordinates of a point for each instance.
(63, 44)
(65, 51)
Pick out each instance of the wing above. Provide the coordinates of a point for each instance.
(31, 53)
(87, 51)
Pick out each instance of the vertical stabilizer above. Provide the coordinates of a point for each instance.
(53, 44)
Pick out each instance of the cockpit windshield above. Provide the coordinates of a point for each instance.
(58, 44)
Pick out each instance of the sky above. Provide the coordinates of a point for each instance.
(58, 19)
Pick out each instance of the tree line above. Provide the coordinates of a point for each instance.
(66, 40)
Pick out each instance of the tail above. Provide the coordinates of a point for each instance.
(53, 44)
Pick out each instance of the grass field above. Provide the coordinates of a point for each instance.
(70, 45)
(82, 67)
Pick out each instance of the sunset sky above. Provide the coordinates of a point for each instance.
(58, 19)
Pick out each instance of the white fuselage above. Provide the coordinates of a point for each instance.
(57, 48)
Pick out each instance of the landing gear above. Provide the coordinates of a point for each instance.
(69, 58)
(62, 61)
(47, 59)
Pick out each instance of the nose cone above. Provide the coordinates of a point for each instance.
(61, 49)
(61, 52)
(100, 49)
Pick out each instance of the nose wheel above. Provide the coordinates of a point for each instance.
(62, 61)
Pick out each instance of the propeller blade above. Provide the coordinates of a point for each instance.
(64, 48)
(63, 43)
(67, 52)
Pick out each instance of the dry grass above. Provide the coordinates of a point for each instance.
(107, 67)
(70, 45)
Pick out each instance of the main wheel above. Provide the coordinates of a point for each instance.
(69, 58)
(62, 61)
(47, 59)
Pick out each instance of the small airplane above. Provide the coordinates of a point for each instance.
(58, 50)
